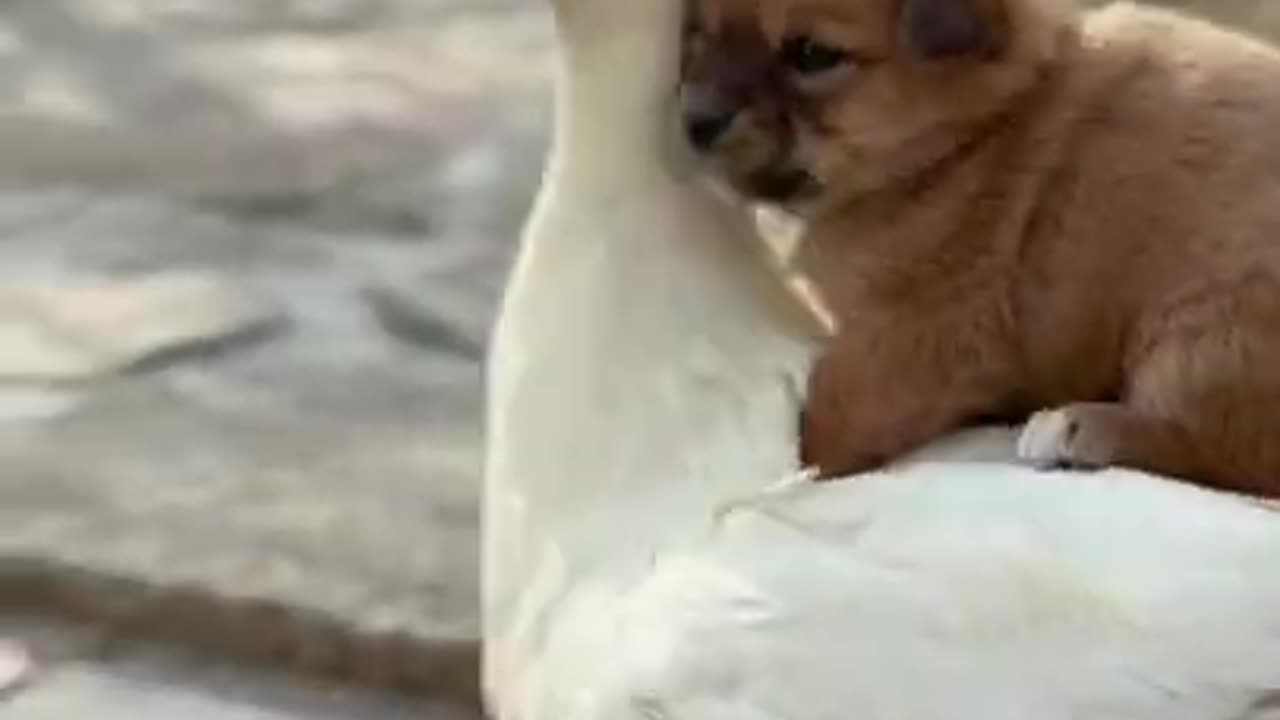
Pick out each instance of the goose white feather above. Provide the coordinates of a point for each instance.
(646, 560)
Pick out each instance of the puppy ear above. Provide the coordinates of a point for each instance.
(940, 29)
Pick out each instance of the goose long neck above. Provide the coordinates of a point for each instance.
(619, 70)
(645, 364)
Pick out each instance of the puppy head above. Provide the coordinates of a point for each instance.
(798, 101)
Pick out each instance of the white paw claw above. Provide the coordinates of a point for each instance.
(16, 667)
(1046, 440)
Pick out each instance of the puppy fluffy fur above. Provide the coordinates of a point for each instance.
(1012, 207)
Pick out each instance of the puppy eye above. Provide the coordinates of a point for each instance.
(808, 56)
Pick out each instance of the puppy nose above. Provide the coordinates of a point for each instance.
(781, 184)
(707, 114)
(705, 128)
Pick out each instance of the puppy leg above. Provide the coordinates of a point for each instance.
(1090, 436)
(874, 397)
(1222, 385)
(1205, 409)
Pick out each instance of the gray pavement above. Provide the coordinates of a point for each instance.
(248, 255)
(76, 675)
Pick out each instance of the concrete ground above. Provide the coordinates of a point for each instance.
(75, 673)
(249, 251)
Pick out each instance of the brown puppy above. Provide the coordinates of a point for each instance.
(1011, 207)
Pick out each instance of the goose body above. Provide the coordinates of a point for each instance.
(650, 554)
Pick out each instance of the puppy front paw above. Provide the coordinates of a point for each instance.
(1066, 438)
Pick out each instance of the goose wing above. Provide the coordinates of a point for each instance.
(950, 591)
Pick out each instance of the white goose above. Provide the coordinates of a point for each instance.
(641, 562)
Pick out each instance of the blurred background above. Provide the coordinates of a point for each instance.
(249, 253)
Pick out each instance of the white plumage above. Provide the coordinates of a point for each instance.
(647, 559)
